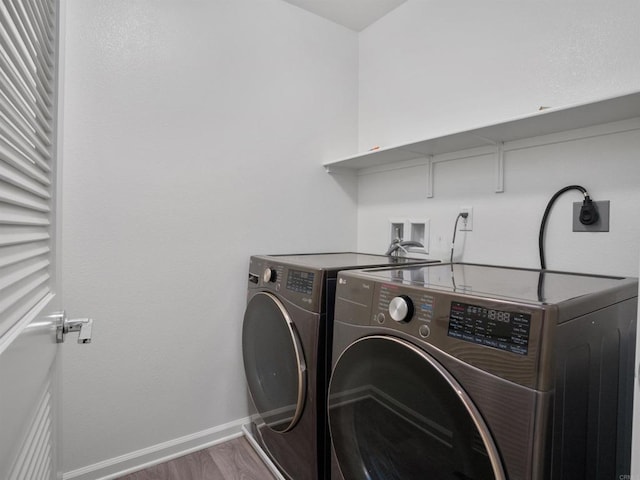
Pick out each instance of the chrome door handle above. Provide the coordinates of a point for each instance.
(81, 325)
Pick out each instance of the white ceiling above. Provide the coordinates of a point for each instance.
(353, 14)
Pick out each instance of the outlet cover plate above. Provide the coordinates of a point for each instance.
(602, 225)
(466, 224)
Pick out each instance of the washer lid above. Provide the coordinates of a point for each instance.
(526, 285)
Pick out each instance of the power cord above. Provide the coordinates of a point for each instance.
(455, 228)
(588, 216)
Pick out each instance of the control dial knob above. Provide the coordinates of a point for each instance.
(401, 308)
(269, 275)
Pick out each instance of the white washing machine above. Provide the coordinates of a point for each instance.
(475, 372)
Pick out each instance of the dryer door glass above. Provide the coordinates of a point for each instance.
(396, 414)
(273, 362)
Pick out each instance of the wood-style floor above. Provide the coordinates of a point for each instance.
(232, 460)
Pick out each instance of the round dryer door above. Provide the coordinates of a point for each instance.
(396, 414)
(273, 362)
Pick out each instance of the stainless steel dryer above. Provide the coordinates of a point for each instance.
(473, 372)
(286, 348)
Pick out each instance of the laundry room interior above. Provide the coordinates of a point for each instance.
(195, 134)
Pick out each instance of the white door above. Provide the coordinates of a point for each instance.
(29, 435)
(29, 291)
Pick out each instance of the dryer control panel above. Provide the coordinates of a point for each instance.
(300, 281)
(299, 286)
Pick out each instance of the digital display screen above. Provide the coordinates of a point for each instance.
(299, 281)
(500, 329)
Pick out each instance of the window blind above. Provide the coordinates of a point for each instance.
(27, 112)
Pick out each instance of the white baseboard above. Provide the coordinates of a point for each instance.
(162, 452)
(246, 429)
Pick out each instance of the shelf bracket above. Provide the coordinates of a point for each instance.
(499, 167)
(334, 170)
(430, 164)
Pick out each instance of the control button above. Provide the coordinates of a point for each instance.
(424, 331)
(269, 275)
(401, 308)
(380, 318)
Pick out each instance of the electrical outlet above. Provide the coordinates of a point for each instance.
(466, 224)
(601, 225)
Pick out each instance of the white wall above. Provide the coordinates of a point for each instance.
(506, 225)
(194, 137)
(433, 67)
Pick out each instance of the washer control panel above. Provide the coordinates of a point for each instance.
(499, 336)
(492, 327)
(430, 315)
(411, 308)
